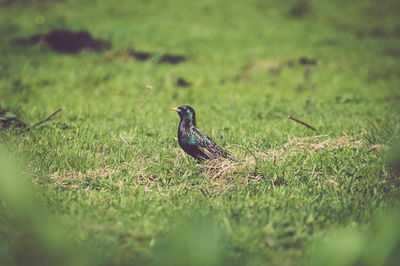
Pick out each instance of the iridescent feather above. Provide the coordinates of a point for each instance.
(193, 141)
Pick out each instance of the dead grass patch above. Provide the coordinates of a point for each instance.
(219, 167)
(295, 145)
(224, 174)
(221, 173)
(75, 179)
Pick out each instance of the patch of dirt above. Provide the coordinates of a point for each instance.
(181, 82)
(8, 119)
(300, 9)
(65, 41)
(307, 61)
(171, 59)
(141, 56)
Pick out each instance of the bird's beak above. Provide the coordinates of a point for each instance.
(174, 109)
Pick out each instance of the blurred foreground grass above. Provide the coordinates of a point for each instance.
(29, 233)
(109, 179)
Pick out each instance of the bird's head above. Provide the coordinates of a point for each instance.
(186, 113)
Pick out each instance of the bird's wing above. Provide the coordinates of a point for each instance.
(214, 148)
(206, 152)
(208, 146)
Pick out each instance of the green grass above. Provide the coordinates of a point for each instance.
(110, 170)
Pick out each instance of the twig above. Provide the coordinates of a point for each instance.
(301, 122)
(50, 117)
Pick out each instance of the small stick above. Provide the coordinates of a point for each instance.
(48, 118)
(301, 122)
(43, 121)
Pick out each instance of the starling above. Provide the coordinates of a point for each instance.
(193, 141)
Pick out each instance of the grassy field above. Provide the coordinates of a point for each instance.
(112, 186)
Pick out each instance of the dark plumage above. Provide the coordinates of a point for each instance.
(193, 141)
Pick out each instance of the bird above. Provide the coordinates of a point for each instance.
(193, 141)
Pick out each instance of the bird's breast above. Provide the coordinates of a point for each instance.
(185, 138)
